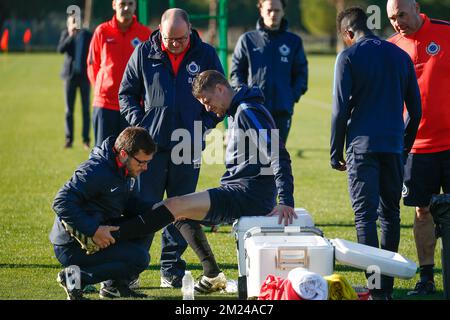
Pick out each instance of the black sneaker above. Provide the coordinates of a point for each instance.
(171, 282)
(134, 283)
(72, 294)
(120, 292)
(423, 288)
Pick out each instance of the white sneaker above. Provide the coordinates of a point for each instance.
(207, 285)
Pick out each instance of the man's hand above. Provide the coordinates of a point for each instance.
(340, 166)
(103, 237)
(283, 212)
(72, 26)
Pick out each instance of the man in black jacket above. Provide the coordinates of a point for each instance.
(74, 43)
(101, 192)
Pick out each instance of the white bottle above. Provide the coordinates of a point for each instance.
(188, 286)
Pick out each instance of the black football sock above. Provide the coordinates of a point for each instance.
(144, 224)
(427, 273)
(194, 235)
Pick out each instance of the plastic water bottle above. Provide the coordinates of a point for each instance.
(188, 286)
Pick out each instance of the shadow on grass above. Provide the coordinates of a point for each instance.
(195, 266)
(347, 225)
(402, 294)
(29, 266)
(190, 266)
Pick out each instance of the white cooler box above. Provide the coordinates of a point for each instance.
(242, 225)
(277, 250)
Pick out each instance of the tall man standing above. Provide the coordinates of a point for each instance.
(427, 170)
(373, 80)
(273, 59)
(74, 43)
(111, 47)
(160, 73)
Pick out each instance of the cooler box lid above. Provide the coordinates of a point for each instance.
(361, 256)
(245, 223)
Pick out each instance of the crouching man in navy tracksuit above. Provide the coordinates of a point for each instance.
(101, 191)
(373, 81)
(258, 168)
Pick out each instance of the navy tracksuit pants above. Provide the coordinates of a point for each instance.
(107, 123)
(70, 91)
(283, 123)
(120, 262)
(375, 187)
(163, 176)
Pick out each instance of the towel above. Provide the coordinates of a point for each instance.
(308, 285)
(339, 288)
(277, 288)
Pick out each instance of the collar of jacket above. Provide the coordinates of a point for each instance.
(260, 26)
(423, 29)
(156, 51)
(247, 95)
(115, 24)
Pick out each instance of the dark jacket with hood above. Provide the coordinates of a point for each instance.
(274, 61)
(256, 157)
(97, 192)
(168, 103)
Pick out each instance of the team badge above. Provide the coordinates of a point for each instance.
(433, 49)
(135, 42)
(376, 42)
(193, 68)
(405, 191)
(284, 50)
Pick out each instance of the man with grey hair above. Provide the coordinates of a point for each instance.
(427, 169)
(159, 75)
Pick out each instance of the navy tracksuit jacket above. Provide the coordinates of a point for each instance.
(249, 169)
(276, 62)
(98, 192)
(373, 80)
(153, 97)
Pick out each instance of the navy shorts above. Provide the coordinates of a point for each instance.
(425, 175)
(230, 202)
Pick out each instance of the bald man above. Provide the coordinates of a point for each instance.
(427, 170)
(156, 93)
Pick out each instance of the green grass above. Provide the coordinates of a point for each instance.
(33, 166)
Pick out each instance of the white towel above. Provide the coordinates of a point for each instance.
(308, 285)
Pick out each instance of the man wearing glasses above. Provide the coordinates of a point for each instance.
(101, 190)
(156, 93)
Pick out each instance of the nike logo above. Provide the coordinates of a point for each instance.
(110, 40)
(257, 49)
(114, 189)
(156, 64)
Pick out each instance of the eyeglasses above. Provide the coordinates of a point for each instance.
(141, 162)
(178, 40)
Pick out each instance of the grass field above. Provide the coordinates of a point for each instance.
(33, 166)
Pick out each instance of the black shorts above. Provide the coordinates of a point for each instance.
(425, 175)
(230, 202)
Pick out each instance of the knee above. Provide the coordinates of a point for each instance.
(140, 259)
(173, 204)
(423, 214)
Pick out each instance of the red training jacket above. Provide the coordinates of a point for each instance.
(429, 49)
(108, 56)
